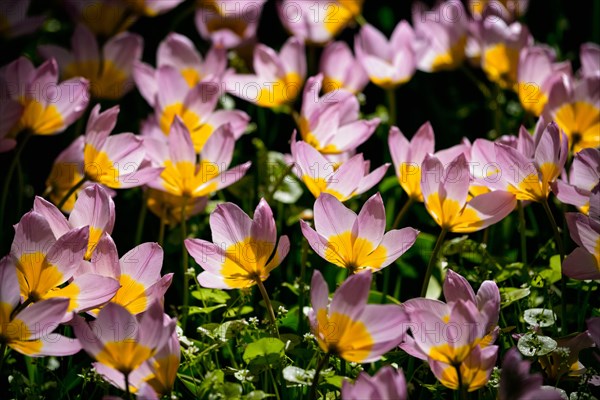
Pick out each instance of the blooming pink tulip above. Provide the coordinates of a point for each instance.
(105, 18)
(341, 70)
(15, 21)
(583, 178)
(508, 10)
(243, 250)
(387, 383)
(388, 63)
(356, 242)
(152, 8)
(589, 55)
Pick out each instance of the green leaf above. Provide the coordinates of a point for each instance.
(539, 317)
(375, 297)
(334, 380)
(297, 375)
(388, 183)
(205, 310)
(211, 295)
(509, 295)
(531, 345)
(264, 352)
(257, 395)
(237, 311)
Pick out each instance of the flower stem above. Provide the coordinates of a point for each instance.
(391, 97)
(62, 202)
(315, 383)
(184, 267)
(141, 218)
(8, 178)
(303, 260)
(268, 304)
(2, 354)
(403, 212)
(480, 85)
(161, 231)
(432, 260)
(522, 232)
(127, 392)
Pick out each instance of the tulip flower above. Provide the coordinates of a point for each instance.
(46, 266)
(229, 23)
(168, 91)
(168, 207)
(320, 21)
(387, 383)
(589, 54)
(408, 157)
(575, 106)
(331, 123)
(583, 178)
(564, 361)
(11, 111)
(508, 10)
(109, 72)
(243, 251)
(517, 383)
(94, 208)
(152, 8)
(15, 21)
(277, 78)
(105, 18)
(27, 329)
(349, 327)
(183, 176)
(341, 70)
(137, 271)
(501, 46)
(440, 36)
(134, 339)
(344, 181)
(455, 337)
(389, 64)
(536, 74)
(48, 107)
(114, 161)
(356, 243)
(584, 261)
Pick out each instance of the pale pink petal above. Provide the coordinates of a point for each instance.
(370, 223)
(56, 220)
(181, 148)
(94, 208)
(350, 298)
(10, 293)
(456, 287)
(229, 225)
(143, 263)
(145, 79)
(42, 317)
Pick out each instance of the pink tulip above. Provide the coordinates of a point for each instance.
(387, 383)
(152, 8)
(15, 21)
(590, 59)
(445, 192)
(48, 107)
(349, 327)
(242, 251)
(105, 18)
(277, 78)
(388, 63)
(583, 178)
(564, 364)
(440, 35)
(341, 70)
(343, 181)
(356, 243)
(28, 331)
(536, 75)
(331, 123)
(508, 10)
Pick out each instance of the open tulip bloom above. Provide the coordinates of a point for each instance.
(387, 383)
(584, 176)
(356, 242)
(15, 21)
(589, 56)
(341, 70)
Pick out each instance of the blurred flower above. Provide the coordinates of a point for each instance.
(167, 90)
(46, 266)
(440, 35)
(152, 8)
(516, 383)
(341, 70)
(343, 181)
(349, 327)
(331, 123)
(228, 23)
(536, 74)
(183, 175)
(388, 63)
(575, 106)
(28, 330)
(508, 10)
(109, 72)
(500, 48)
(94, 208)
(565, 359)
(445, 192)
(319, 21)
(134, 339)
(278, 77)
(583, 178)
(11, 111)
(408, 157)
(243, 249)
(48, 107)
(115, 161)
(168, 206)
(589, 55)
(530, 178)
(138, 273)
(356, 242)
(105, 18)
(14, 20)
(584, 261)
(456, 336)
(387, 383)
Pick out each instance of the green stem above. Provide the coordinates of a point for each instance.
(141, 218)
(2, 355)
(62, 202)
(462, 390)
(561, 251)
(360, 20)
(480, 85)
(274, 384)
(184, 267)
(127, 392)
(432, 260)
(8, 178)
(315, 384)
(161, 231)
(522, 232)
(391, 97)
(303, 260)
(403, 212)
(278, 182)
(268, 304)
(21, 183)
